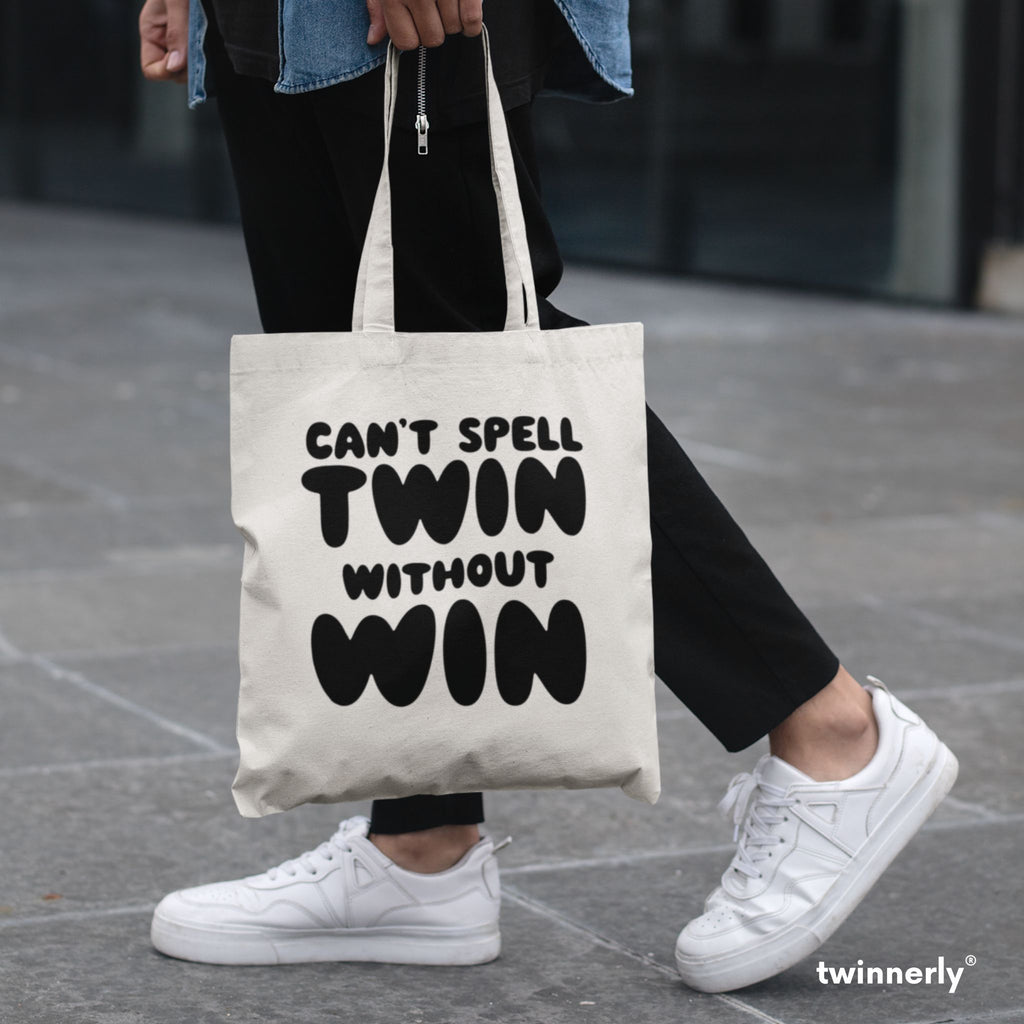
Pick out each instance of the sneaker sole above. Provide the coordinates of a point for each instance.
(801, 938)
(254, 947)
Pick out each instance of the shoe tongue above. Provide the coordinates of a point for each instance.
(357, 826)
(772, 771)
(777, 772)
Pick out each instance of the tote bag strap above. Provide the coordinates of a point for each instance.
(374, 306)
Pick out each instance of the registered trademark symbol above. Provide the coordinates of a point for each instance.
(970, 959)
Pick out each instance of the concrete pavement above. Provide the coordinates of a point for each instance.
(875, 454)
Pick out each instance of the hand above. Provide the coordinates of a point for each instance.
(163, 34)
(412, 23)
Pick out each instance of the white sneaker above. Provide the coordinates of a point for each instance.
(342, 901)
(809, 851)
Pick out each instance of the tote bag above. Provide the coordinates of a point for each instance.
(446, 578)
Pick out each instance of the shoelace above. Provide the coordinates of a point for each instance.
(755, 806)
(338, 843)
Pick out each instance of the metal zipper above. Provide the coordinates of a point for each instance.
(422, 124)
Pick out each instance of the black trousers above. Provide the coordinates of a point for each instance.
(729, 641)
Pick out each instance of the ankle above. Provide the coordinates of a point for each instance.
(428, 850)
(833, 735)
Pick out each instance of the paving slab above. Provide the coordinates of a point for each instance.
(58, 256)
(865, 376)
(142, 445)
(986, 734)
(21, 487)
(94, 610)
(760, 489)
(994, 622)
(945, 557)
(194, 686)
(925, 645)
(946, 895)
(103, 971)
(127, 831)
(49, 722)
(68, 529)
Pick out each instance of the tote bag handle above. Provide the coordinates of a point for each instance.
(374, 306)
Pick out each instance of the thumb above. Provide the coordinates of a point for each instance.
(378, 30)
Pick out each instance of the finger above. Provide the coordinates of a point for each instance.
(378, 30)
(177, 35)
(471, 14)
(159, 70)
(401, 27)
(152, 35)
(163, 40)
(156, 72)
(449, 11)
(152, 58)
(428, 22)
(153, 55)
(179, 77)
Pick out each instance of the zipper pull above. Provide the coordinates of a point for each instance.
(422, 124)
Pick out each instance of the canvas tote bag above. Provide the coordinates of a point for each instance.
(446, 579)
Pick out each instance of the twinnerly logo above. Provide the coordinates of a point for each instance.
(399, 657)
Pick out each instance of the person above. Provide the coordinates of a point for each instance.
(852, 773)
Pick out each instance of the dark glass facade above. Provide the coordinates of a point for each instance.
(78, 124)
(761, 145)
(866, 146)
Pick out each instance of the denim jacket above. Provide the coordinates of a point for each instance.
(323, 42)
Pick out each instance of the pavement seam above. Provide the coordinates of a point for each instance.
(154, 650)
(1013, 1015)
(972, 807)
(62, 369)
(59, 917)
(76, 375)
(984, 816)
(991, 689)
(991, 818)
(618, 860)
(168, 760)
(739, 1004)
(103, 496)
(944, 622)
(222, 557)
(176, 728)
(734, 458)
(542, 909)
(76, 679)
(15, 510)
(536, 906)
(8, 650)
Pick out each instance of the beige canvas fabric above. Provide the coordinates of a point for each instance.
(446, 581)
